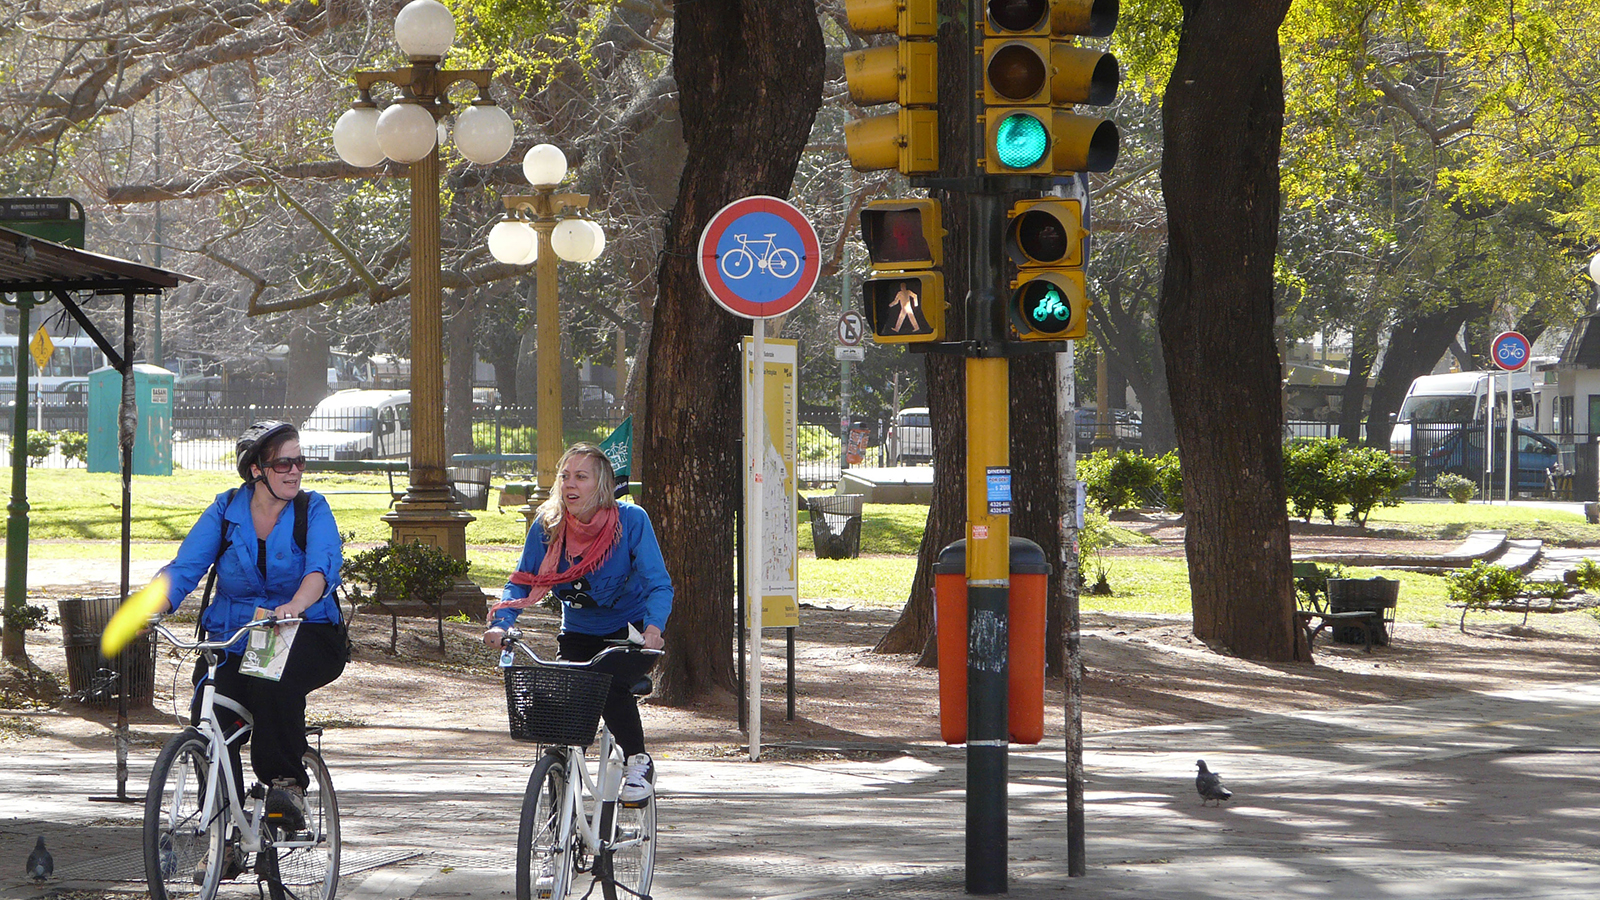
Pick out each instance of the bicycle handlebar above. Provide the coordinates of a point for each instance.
(183, 644)
(513, 641)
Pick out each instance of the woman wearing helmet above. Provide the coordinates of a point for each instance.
(267, 564)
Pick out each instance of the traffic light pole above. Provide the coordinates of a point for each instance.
(988, 558)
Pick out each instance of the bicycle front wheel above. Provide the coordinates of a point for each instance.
(633, 851)
(178, 834)
(305, 865)
(545, 837)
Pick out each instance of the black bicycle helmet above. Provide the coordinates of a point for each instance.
(258, 435)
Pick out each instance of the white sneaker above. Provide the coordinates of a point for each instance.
(638, 777)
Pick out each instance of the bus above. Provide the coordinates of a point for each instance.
(69, 367)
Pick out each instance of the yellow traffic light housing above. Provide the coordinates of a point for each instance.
(906, 73)
(903, 295)
(1032, 76)
(1049, 298)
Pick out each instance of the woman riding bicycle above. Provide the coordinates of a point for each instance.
(277, 552)
(600, 559)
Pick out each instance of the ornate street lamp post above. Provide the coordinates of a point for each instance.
(539, 230)
(408, 132)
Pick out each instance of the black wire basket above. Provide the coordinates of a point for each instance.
(555, 705)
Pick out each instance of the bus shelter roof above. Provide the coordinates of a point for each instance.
(28, 263)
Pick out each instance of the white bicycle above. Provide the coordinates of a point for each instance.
(196, 811)
(779, 262)
(572, 821)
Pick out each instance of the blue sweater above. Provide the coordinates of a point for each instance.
(240, 590)
(631, 586)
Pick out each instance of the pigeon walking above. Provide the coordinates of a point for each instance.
(1210, 786)
(40, 865)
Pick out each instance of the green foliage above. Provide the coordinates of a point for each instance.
(401, 572)
(1456, 487)
(513, 439)
(1314, 584)
(1119, 479)
(1094, 537)
(1480, 586)
(1367, 477)
(1587, 576)
(74, 445)
(1308, 476)
(1169, 478)
(40, 443)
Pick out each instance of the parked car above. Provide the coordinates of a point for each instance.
(359, 424)
(911, 436)
(1123, 431)
(1461, 453)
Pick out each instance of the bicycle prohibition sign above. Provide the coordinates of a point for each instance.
(779, 262)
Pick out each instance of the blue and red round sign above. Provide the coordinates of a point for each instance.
(1510, 351)
(759, 257)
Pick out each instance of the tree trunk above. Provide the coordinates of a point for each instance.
(749, 74)
(1223, 121)
(460, 342)
(308, 361)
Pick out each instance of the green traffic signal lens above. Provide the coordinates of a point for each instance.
(1044, 308)
(1021, 141)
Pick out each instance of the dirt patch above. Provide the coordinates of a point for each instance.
(853, 703)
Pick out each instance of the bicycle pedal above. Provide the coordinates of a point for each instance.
(635, 804)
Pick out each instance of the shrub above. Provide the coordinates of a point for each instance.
(1169, 478)
(403, 571)
(1093, 537)
(1586, 576)
(1118, 479)
(1456, 487)
(1480, 586)
(1366, 477)
(1309, 476)
(74, 445)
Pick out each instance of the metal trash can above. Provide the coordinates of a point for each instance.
(1379, 595)
(836, 526)
(83, 621)
(471, 486)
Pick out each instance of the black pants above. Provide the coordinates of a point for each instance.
(278, 740)
(622, 707)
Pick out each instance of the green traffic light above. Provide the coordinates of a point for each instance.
(1021, 141)
(1045, 308)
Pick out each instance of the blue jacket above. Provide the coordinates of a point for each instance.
(240, 590)
(631, 586)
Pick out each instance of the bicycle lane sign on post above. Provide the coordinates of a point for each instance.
(1509, 351)
(759, 257)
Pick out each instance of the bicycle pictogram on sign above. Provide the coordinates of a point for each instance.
(1510, 350)
(779, 262)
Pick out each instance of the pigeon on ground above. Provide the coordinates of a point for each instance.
(40, 865)
(1210, 786)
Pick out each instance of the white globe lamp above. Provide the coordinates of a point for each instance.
(406, 132)
(577, 240)
(1594, 269)
(514, 243)
(483, 133)
(425, 29)
(355, 137)
(544, 164)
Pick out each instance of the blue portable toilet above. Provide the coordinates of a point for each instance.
(152, 440)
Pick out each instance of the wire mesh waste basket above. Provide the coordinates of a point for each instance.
(1379, 595)
(836, 526)
(555, 705)
(83, 621)
(471, 485)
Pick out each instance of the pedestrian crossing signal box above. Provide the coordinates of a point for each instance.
(903, 294)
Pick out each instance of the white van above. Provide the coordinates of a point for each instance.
(911, 441)
(357, 424)
(1459, 398)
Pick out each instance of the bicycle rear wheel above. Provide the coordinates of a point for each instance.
(305, 865)
(544, 839)
(177, 832)
(632, 851)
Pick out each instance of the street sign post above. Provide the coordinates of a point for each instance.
(1510, 351)
(758, 258)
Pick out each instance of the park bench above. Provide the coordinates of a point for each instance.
(1314, 614)
(387, 467)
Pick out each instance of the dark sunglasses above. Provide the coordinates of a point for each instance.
(283, 464)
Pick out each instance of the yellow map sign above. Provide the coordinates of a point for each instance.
(41, 347)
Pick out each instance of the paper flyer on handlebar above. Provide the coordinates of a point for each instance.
(267, 650)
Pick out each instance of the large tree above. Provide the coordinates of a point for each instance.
(1222, 120)
(749, 76)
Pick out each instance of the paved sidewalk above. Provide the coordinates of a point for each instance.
(1486, 796)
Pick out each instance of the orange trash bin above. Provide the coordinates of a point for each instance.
(1025, 641)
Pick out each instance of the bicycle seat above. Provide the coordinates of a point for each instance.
(642, 687)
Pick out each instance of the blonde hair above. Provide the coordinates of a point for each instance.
(552, 512)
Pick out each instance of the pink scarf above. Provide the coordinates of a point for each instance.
(590, 543)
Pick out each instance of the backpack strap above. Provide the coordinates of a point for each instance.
(211, 576)
(302, 501)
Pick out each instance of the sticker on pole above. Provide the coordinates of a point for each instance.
(759, 257)
(1510, 351)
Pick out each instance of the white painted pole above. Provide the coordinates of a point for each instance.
(755, 576)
